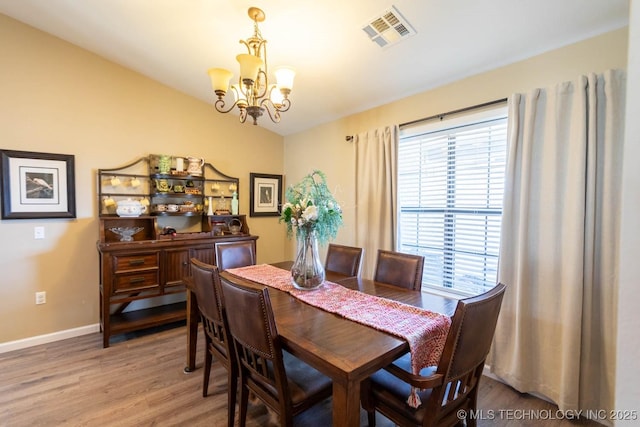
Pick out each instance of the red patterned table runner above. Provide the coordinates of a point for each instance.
(424, 330)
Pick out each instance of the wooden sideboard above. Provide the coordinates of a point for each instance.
(151, 267)
(185, 213)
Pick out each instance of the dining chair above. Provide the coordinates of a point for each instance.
(217, 341)
(235, 254)
(446, 390)
(286, 384)
(345, 260)
(399, 269)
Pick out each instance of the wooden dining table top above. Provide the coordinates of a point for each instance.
(344, 350)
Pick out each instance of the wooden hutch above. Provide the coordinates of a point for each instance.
(144, 258)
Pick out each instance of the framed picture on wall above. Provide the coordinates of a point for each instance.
(37, 185)
(266, 194)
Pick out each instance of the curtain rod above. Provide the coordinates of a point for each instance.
(349, 138)
(461, 110)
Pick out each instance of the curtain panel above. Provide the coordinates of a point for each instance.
(560, 238)
(376, 154)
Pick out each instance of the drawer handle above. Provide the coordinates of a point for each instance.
(134, 280)
(136, 261)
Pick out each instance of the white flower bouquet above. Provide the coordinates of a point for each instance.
(310, 207)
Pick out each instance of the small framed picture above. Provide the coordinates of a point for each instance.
(266, 194)
(37, 185)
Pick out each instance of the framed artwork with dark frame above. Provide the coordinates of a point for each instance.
(37, 185)
(266, 194)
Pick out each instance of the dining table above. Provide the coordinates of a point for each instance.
(344, 350)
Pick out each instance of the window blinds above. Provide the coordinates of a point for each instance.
(450, 187)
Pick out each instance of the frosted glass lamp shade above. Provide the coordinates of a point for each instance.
(249, 66)
(220, 79)
(276, 96)
(284, 78)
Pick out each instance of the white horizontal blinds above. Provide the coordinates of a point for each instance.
(450, 187)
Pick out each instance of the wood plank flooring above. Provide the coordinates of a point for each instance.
(140, 382)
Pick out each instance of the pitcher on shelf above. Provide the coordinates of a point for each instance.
(194, 165)
(162, 185)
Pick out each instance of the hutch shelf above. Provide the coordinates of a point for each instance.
(144, 259)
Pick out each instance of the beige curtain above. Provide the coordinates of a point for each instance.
(559, 244)
(376, 180)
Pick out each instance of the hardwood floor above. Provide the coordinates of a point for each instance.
(140, 382)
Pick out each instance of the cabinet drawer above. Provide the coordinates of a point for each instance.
(136, 261)
(136, 280)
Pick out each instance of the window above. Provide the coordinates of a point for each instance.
(450, 187)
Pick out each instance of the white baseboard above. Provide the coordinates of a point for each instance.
(47, 338)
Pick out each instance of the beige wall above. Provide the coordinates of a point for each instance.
(58, 98)
(325, 148)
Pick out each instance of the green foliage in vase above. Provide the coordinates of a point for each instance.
(309, 207)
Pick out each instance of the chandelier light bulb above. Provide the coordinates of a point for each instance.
(239, 96)
(277, 97)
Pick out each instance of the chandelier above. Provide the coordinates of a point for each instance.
(253, 93)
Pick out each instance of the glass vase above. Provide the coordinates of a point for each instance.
(307, 272)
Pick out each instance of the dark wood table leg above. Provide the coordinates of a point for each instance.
(192, 331)
(346, 404)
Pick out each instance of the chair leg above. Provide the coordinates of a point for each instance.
(207, 373)
(285, 416)
(366, 402)
(232, 390)
(244, 401)
(371, 418)
(473, 406)
(470, 421)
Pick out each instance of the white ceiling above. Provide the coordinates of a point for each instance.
(339, 70)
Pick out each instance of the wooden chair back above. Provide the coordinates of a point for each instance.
(206, 285)
(468, 344)
(453, 387)
(399, 269)
(263, 364)
(235, 254)
(258, 351)
(345, 260)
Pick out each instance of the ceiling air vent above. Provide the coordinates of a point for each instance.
(388, 28)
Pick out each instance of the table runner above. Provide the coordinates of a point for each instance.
(424, 330)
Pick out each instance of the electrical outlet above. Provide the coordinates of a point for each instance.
(41, 297)
(38, 232)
